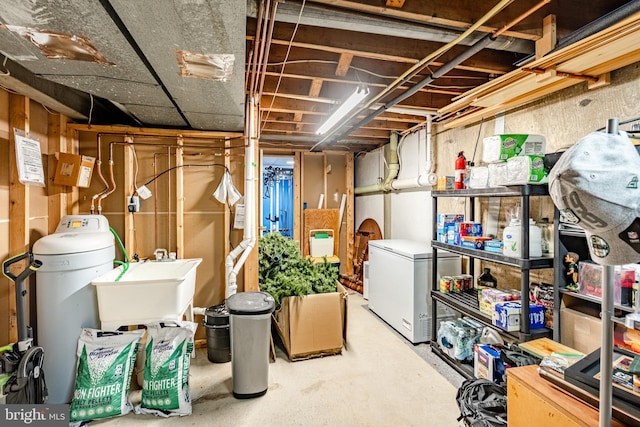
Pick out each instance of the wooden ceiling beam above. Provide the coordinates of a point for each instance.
(374, 124)
(478, 63)
(270, 86)
(434, 12)
(343, 64)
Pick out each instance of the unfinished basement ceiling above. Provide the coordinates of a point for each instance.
(319, 51)
(140, 40)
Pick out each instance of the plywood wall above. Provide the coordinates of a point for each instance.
(562, 119)
(330, 174)
(205, 233)
(24, 209)
(4, 213)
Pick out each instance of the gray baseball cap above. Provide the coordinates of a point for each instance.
(594, 185)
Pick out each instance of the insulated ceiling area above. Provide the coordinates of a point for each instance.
(137, 78)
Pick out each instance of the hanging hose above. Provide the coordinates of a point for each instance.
(125, 264)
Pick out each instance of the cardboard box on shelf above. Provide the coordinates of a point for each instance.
(74, 170)
(506, 315)
(488, 364)
(580, 330)
(489, 296)
(313, 325)
(542, 294)
(446, 226)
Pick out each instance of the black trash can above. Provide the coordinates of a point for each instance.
(250, 315)
(216, 322)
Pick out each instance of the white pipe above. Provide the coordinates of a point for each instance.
(276, 187)
(394, 168)
(425, 179)
(249, 241)
(320, 201)
(430, 166)
(343, 202)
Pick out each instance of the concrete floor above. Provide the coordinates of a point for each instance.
(380, 379)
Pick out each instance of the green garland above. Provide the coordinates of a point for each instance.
(283, 272)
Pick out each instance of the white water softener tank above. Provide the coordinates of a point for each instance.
(81, 249)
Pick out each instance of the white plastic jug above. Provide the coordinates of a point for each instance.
(512, 240)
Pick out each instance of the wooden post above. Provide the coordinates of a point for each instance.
(227, 215)
(297, 196)
(18, 199)
(251, 264)
(350, 218)
(57, 194)
(128, 190)
(73, 146)
(548, 40)
(180, 198)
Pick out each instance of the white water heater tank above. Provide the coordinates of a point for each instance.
(81, 249)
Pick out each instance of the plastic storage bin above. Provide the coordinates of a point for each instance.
(250, 323)
(321, 242)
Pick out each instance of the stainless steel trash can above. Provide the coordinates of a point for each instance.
(250, 327)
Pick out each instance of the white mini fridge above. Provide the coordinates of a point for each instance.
(400, 284)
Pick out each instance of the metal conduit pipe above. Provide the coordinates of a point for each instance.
(420, 65)
(415, 69)
(394, 168)
(477, 47)
(256, 46)
(599, 24)
(267, 48)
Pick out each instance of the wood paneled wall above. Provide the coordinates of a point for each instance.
(27, 212)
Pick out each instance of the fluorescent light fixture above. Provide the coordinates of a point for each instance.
(342, 111)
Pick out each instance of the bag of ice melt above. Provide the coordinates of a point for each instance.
(165, 388)
(103, 374)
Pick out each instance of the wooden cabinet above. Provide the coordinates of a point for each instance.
(534, 401)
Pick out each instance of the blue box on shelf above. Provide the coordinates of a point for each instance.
(506, 315)
(494, 246)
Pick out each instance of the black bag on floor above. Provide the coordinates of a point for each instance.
(27, 384)
(482, 403)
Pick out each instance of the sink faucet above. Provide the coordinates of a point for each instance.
(161, 254)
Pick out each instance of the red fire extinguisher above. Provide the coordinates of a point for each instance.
(461, 168)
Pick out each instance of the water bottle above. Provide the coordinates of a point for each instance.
(547, 242)
(535, 240)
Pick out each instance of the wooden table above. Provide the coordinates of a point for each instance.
(534, 401)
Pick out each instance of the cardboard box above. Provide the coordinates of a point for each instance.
(313, 325)
(506, 315)
(542, 294)
(487, 297)
(74, 170)
(494, 245)
(487, 363)
(579, 330)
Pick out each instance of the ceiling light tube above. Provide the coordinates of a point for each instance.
(348, 105)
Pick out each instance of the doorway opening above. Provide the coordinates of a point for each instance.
(277, 195)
